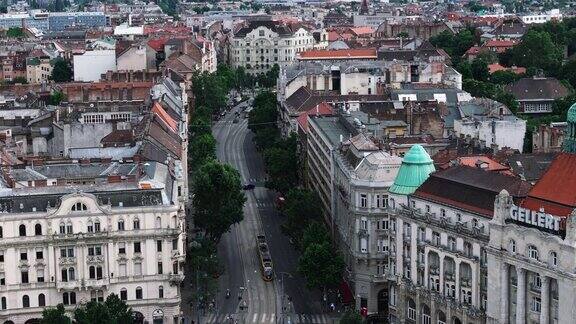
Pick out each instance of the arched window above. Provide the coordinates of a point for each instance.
(532, 252)
(41, 300)
(92, 272)
(37, 229)
(138, 292)
(158, 223)
(71, 274)
(411, 309)
(65, 299)
(96, 226)
(62, 228)
(174, 222)
(90, 226)
(121, 225)
(161, 292)
(72, 298)
(79, 207)
(3, 302)
(441, 317)
(512, 246)
(64, 275)
(553, 259)
(69, 229)
(123, 294)
(22, 230)
(25, 301)
(136, 223)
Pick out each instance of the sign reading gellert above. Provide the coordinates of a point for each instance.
(535, 218)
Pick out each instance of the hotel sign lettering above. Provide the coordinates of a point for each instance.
(535, 218)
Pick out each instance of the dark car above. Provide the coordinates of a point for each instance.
(248, 186)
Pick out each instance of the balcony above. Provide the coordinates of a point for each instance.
(67, 285)
(23, 263)
(95, 283)
(535, 288)
(95, 259)
(67, 260)
(465, 282)
(176, 278)
(449, 276)
(379, 278)
(434, 270)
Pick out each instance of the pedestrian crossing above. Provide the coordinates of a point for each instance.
(267, 319)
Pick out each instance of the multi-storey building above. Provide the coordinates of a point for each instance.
(260, 44)
(62, 20)
(438, 270)
(38, 69)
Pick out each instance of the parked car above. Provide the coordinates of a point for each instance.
(248, 186)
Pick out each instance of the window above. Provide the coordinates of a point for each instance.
(122, 269)
(136, 224)
(62, 228)
(41, 300)
(137, 247)
(24, 276)
(392, 203)
(3, 302)
(458, 217)
(363, 200)
(121, 225)
(40, 275)
(123, 294)
(261, 33)
(427, 208)
(121, 248)
(436, 238)
(97, 296)
(452, 243)
(138, 293)
(364, 224)
(23, 255)
(363, 245)
(69, 228)
(97, 226)
(536, 281)
(392, 296)
(512, 246)
(160, 270)
(90, 227)
(174, 244)
(2, 279)
(553, 259)
(474, 223)
(158, 223)
(532, 252)
(67, 251)
(411, 310)
(137, 268)
(175, 267)
(1, 232)
(38, 229)
(25, 301)
(79, 207)
(1, 256)
(94, 250)
(535, 304)
(92, 272)
(22, 230)
(159, 246)
(69, 298)
(160, 291)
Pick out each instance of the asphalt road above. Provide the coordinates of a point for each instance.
(237, 249)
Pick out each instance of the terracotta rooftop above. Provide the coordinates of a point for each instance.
(360, 53)
(321, 109)
(163, 115)
(555, 191)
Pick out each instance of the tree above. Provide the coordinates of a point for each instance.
(199, 125)
(282, 165)
(480, 70)
(56, 98)
(202, 148)
(314, 233)
(219, 201)
(351, 317)
(266, 137)
(507, 99)
(504, 77)
(55, 315)
(62, 72)
(264, 114)
(15, 32)
(537, 50)
(210, 90)
(321, 267)
(301, 206)
(19, 79)
(465, 68)
(111, 311)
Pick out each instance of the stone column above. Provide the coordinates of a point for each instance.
(504, 284)
(545, 306)
(426, 270)
(521, 296)
(457, 280)
(441, 275)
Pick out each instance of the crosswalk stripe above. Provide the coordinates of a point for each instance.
(272, 317)
(263, 318)
(254, 318)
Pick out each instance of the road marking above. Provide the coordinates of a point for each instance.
(254, 318)
(263, 318)
(272, 317)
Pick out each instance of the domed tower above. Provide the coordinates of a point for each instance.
(570, 139)
(415, 169)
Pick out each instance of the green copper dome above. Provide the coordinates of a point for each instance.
(570, 140)
(415, 169)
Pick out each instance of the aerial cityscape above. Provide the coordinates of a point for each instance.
(287, 162)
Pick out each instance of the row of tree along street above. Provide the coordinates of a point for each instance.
(320, 263)
(112, 311)
(546, 49)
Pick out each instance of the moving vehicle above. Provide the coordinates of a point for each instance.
(236, 120)
(265, 258)
(248, 186)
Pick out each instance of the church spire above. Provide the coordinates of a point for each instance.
(364, 7)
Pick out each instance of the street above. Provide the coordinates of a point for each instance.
(237, 249)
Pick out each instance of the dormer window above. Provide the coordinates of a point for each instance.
(79, 207)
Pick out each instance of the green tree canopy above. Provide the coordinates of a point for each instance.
(321, 266)
(314, 233)
(351, 317)
(282, 165)
(55, 315)
(454, 45)
(62, 72)
(56, 98)
(504, 77)
(202, 148)
(301, 207)
(15, 32)
(480, 70)
(111, 311)
(538, 51)
(210, 90)
(219, 200)
(264, 114)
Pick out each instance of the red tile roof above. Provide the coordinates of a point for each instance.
(362, 30)
(500, 43)
(157, 44)
(322, 109)
(364, 53)
(556, 190)
(497, 67)
(163, 115)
